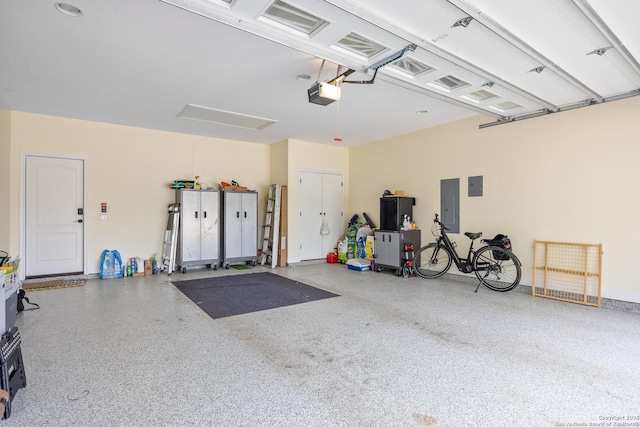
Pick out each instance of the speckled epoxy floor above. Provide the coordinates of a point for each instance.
(388, 352)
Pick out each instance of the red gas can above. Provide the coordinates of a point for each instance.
(332, 257)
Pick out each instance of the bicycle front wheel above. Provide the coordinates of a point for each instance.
(497, 268)
(432, 261)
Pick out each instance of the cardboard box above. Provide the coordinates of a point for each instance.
(148, 267)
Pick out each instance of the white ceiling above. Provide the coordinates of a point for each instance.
(141, 62)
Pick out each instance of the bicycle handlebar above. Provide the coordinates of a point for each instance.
(437, 221)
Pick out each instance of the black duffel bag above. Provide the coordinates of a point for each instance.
(501, 241)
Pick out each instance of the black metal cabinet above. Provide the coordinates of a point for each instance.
(392, 210)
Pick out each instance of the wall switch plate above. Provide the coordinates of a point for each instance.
(103, 217)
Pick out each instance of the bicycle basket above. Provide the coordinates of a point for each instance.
(501, 241)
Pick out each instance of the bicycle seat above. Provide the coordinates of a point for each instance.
(473, 236)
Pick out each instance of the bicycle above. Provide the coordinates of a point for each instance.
(496, 267)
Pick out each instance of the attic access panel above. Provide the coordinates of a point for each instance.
(226, 118)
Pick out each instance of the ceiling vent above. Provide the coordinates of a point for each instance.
(225, 118)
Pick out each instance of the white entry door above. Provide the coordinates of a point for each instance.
(54, 216)
(321, 198)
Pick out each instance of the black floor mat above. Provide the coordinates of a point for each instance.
(245, 293)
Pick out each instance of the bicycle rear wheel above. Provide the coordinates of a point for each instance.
(432, 261)
(497, 268)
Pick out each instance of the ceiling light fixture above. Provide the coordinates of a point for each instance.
(67, 9)
(303, 77)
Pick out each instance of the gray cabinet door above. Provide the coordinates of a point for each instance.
(249, 226)
(387, 248)
(240, 226)
(232, 225)
(190, 221)
(209, 227)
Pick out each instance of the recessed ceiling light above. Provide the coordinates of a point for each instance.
(303, 77)
(422, 112)
(67, 9)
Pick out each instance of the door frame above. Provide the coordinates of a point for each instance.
(23, 211)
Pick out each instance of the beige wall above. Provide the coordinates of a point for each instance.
(279, 163)
(5, 176)
(567, 177)
(130, 169)
(564, 177)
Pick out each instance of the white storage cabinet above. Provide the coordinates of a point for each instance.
(321, 199)
(199, 230)
(239, 227)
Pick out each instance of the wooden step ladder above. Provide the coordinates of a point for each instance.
(171, 239)
(271, 226)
